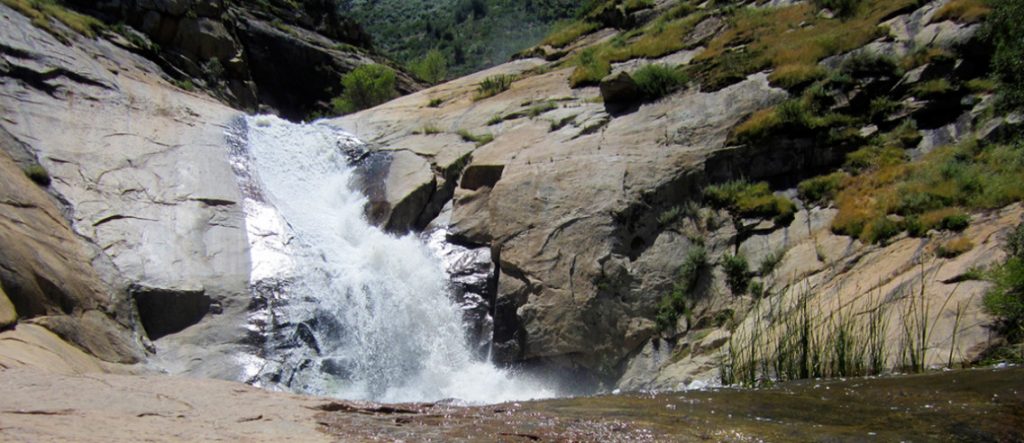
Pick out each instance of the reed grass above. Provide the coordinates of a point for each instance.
(789, 339)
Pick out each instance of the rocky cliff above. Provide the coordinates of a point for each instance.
(271, 56)
(591, 204)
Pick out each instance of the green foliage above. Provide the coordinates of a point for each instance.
(568, 32)
(1004, 29)
(556, 125)
(745, 199)
(823, 188)
(880, 230)
(770, 261)
(480, 140)
(932, 88)
(432, 68)
(365, 87)
(1015, 242)
(185, 84)
(929, 192)
(757, 289)
(494, 85)
(1005, 300)
(670, 216)
(42, 12)
(675, 303)
(656, 80)
(472, 35)
(737, 273)
(435, 103)
(954, 247)
(38, 174)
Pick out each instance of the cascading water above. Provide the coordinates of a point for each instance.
(342, 308)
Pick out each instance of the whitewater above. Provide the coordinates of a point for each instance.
(356, 313)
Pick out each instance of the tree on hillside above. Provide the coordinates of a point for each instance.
(365, 87)
(1006, 32)
(432, 68)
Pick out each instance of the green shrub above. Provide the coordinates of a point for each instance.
(1004, 28)
(823, 188)
(494, 85)
(1015, 242)
(1005, 300)
(880, 230)
(365, 87)
(955, 222)
(954, 247)
(770, 261)
(737, 273)
(656, 80)
(745, 199)
(676, 303)
(38, 174)
(432, 68)
(757, 289)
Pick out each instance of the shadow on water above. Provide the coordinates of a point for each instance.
(971, 405)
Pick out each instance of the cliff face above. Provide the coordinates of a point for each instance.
(140, 171)
(591, 204)
(255, 56)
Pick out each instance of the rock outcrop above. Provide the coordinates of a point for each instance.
(266, 56)
(568, 197)
(140, 169)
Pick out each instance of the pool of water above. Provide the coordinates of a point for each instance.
(969, 405)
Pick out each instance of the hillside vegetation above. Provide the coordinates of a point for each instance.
(471, 34)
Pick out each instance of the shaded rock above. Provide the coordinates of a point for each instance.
(33, 347)
(96, 334)
(8, 316)
(164, 312)
(619, 88)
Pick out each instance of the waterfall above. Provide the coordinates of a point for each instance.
(340, 307)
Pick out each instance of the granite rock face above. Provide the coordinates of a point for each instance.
(568, 196)
(141, 171)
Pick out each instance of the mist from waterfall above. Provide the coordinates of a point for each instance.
(353, 312)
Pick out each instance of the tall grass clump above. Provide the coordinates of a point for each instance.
(963, 11)
(676, 303)
(494, 85)
(656, 80)
(365, 87)
(746, 200)
(790, 338)
(568, 32)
